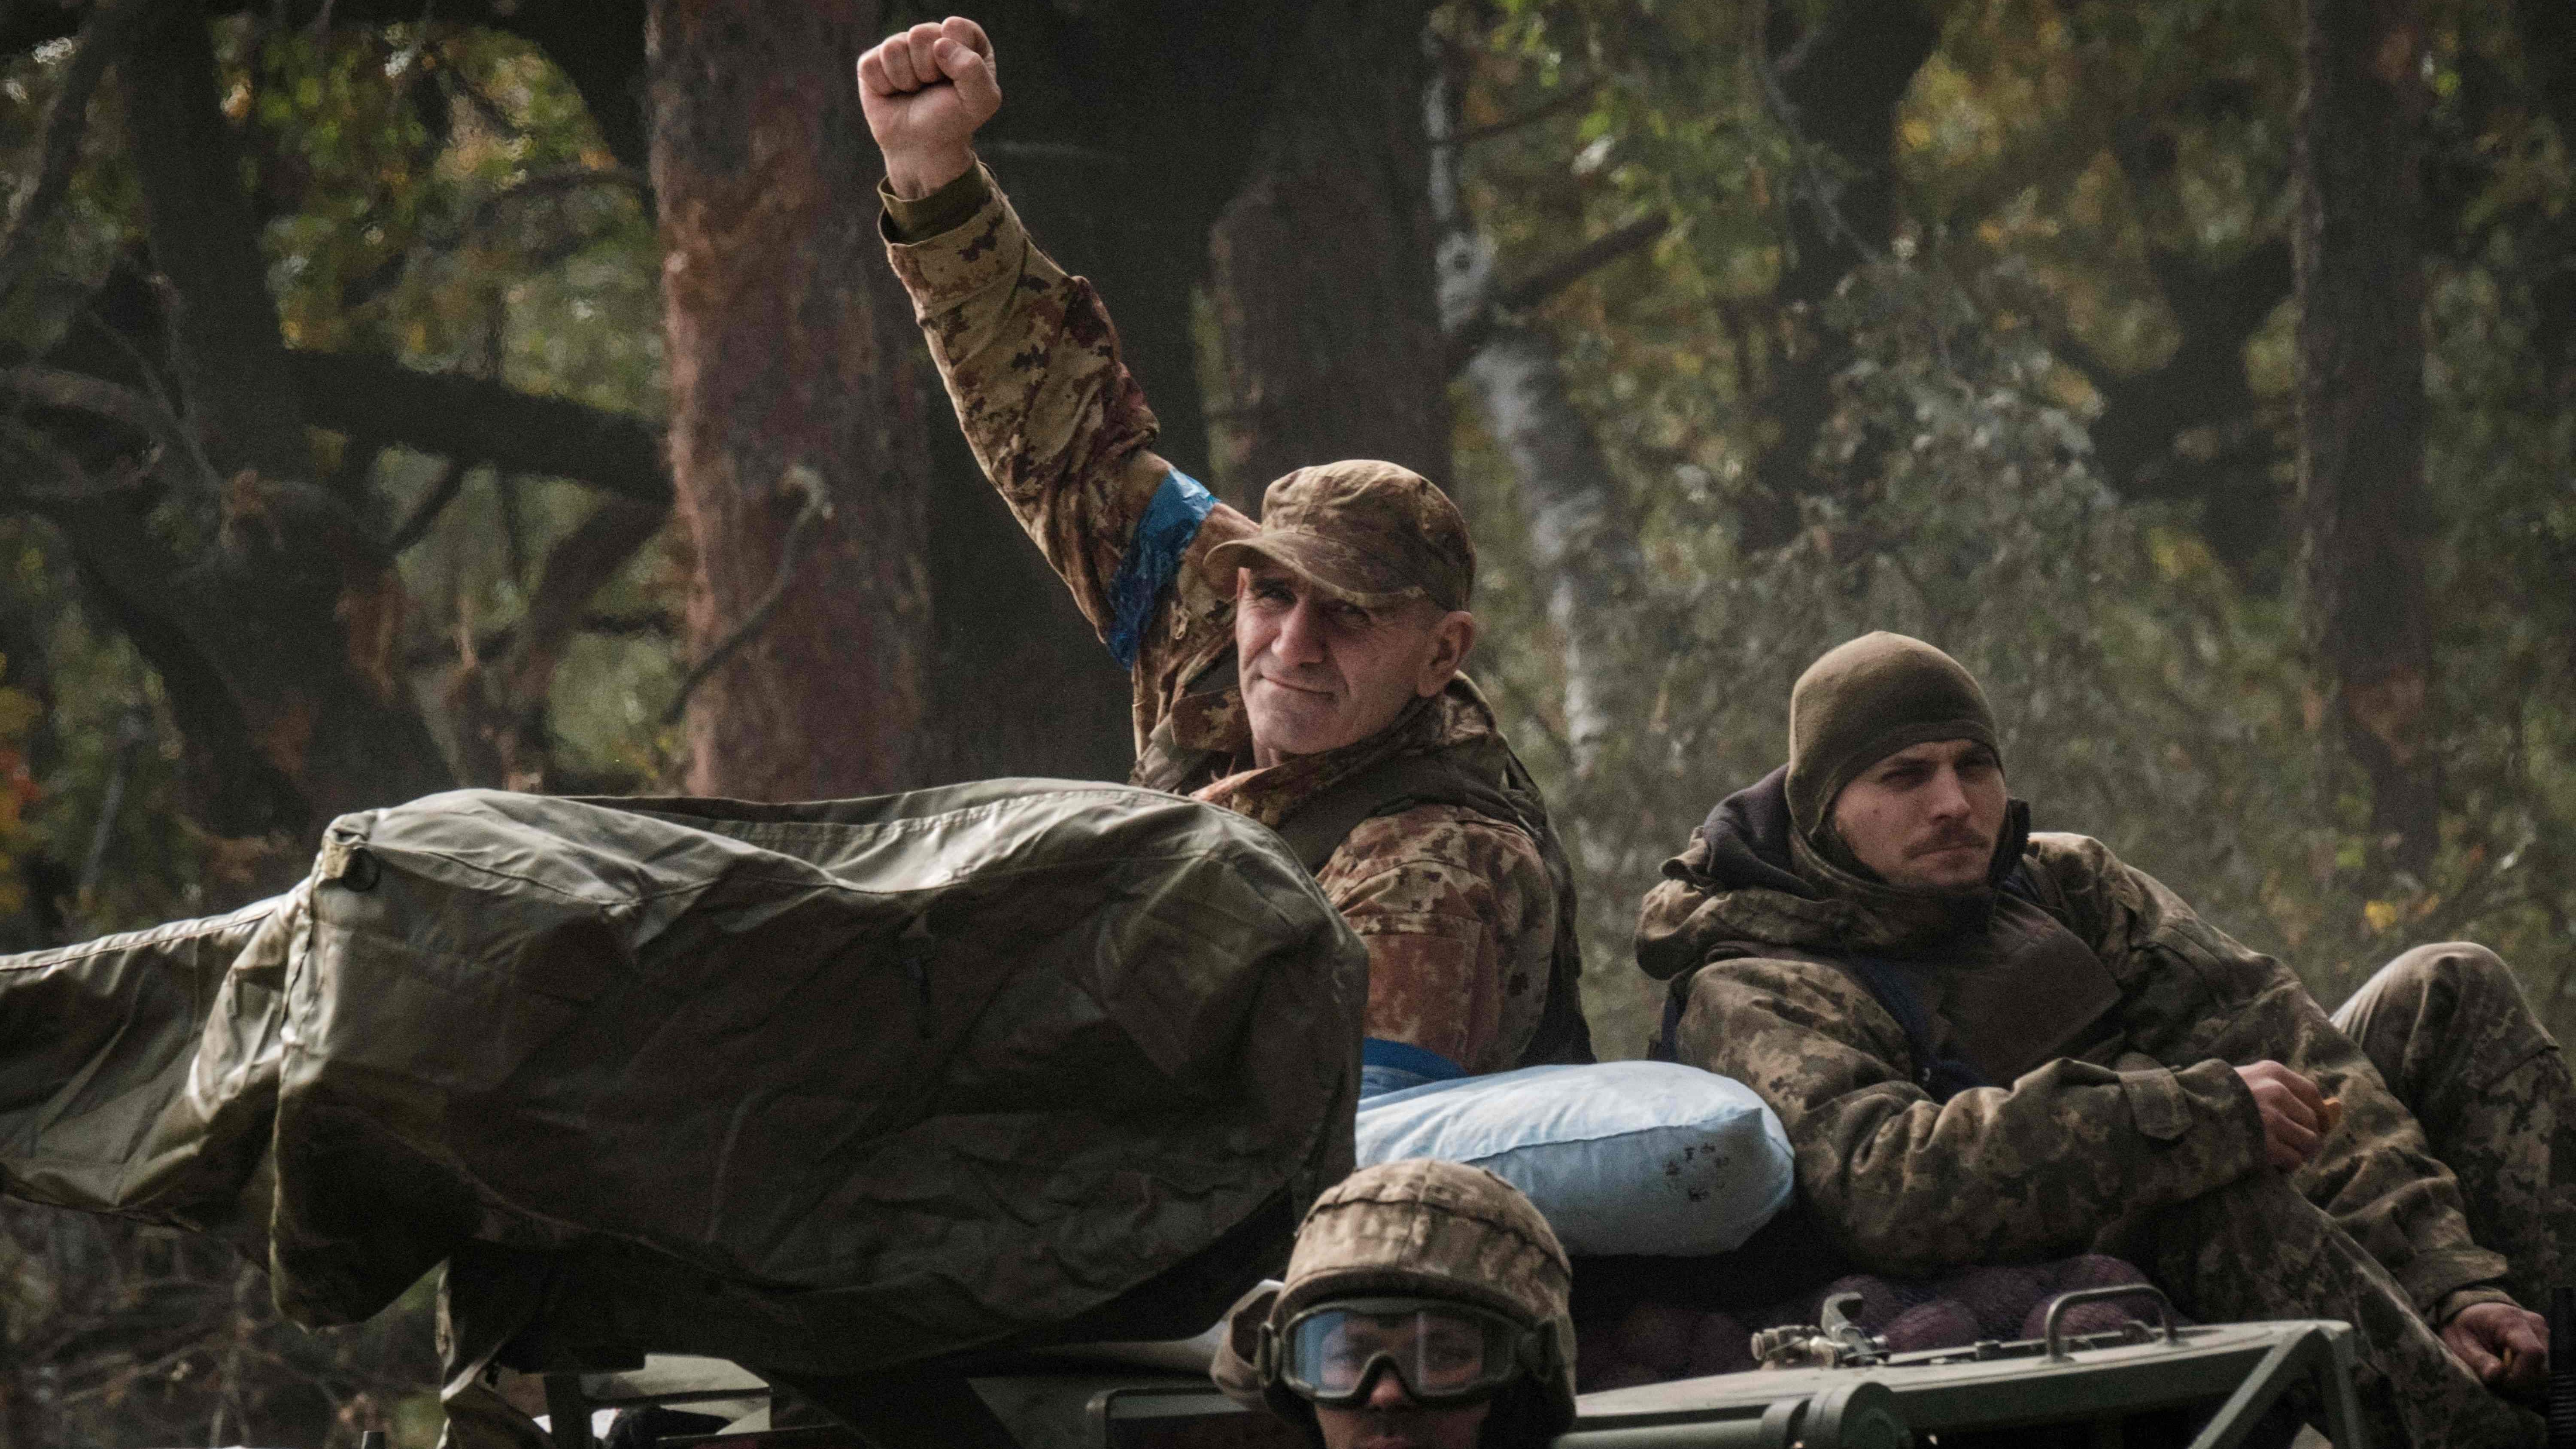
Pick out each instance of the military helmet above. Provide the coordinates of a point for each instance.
(1415, 1229)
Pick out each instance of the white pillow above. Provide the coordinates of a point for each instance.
(1621, 1157)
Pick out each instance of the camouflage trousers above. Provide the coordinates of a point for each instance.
(2256, 1249)
(2448, 1028)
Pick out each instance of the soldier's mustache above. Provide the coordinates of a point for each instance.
(1951, 839)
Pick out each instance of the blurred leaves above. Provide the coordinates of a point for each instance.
(2152, 695)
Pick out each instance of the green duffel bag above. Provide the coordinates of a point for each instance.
(822, 1088)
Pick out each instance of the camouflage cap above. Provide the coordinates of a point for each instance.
(1367, 532)
(1419, 1228)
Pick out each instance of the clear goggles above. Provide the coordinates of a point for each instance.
(1442, 1352)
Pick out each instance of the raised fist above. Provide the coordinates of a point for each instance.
(925, 90)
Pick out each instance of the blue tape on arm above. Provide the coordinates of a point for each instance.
(1378, 1051)
(1391, 1066)
(1171, 520)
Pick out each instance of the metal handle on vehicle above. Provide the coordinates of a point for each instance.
(2057, 1306)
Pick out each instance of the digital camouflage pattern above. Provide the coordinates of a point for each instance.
(2449, 1028)
(1416, 1228)
(2142, 1142)
(1457, 908)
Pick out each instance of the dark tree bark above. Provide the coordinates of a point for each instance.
(797, 440)
(478, 420)
(1850, 72)
(231, 361)
(2357, 240)
(1582, 539)
(277, 642)
(1321, 267)
(500, 704)
(2548, 33)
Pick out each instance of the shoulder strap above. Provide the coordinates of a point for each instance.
(1465, 777)
(1942, 1076)
(1482, 775)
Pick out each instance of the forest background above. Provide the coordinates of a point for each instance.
(514, 394)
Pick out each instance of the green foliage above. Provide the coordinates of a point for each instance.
(2150, 696)
(429, 193)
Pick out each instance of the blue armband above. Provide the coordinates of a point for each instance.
(1153, 557)
(1392, 1066)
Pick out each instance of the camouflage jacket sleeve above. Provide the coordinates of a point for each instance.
(1061, 428)
(1912, 1186)
(1460, 921)
(2194, 992)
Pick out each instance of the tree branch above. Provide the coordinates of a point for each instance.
(576, 569)
(65, 119)
(478, 420)
(54, 387)
(1556, 105)
(1590, 257)
(791, 551)
(1549, 280)
(415, 524)
(554, 183)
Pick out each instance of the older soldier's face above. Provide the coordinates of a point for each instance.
(1318, 673)
(1926, 817)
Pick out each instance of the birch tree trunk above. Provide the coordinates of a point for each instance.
(1583, 542)
(797, 440)
(2357, 246)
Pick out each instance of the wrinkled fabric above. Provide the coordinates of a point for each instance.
(1458, 910)
(1655, 1340)
(2449, 1028)
(2142, 1141)
(829, 1087)
(2257, 1249)
(2145, 1114)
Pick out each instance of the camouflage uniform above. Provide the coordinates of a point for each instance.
(2449, 1029)
(1458, 909)
(2135, 1138)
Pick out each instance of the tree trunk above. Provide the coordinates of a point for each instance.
(1321, 267)
(1851, 70)
(1583, 543)
(2356, 240)
(277, 644)
(797, 441)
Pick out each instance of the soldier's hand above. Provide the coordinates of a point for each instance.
(2294, 1113)
(2506, 1346)
(925, 90)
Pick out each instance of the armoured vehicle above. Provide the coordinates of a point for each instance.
(2149, 1383)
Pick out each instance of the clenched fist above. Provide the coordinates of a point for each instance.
(925, 90)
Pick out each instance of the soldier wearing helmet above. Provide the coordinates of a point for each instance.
(1425, 1307)
(1303, 670)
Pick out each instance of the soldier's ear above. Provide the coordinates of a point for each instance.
(1453, 637)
